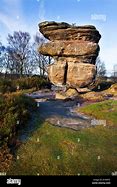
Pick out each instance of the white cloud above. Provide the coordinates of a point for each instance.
(12, 19)
(11, 13)
(99, 17)
(13, 7)
(41, 10)
(12, 23)
(7, 21)
(58, 17)
(17, 17)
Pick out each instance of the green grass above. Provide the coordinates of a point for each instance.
(25, 91)
(58, 152)
(106, 110)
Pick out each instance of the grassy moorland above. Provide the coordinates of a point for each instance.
(52, 150)
(106, 110)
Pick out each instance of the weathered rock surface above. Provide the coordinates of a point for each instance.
(64, 31)
(74, 49)
(69, 48)
(90, 59)
(80, 75)
(56, 73)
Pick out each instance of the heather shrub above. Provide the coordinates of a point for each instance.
(32, 82)
(15, 111)
(5, 158)
(7, 86)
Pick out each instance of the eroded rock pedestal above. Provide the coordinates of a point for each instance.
(74, 49)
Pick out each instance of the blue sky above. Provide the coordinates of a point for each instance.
(26, 14)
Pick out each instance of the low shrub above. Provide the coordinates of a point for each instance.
(15, 110)
(32, 82)
(5, 159)
(7, 86)
(101, 85)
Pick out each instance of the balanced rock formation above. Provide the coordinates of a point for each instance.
(74, 49)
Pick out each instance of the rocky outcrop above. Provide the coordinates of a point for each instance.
(74, 49)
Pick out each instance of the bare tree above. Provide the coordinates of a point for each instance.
(101, 69)
(2, 49)
(114, 73)
(18, 52)
(21, 57)
(115, 70)
(40, 60)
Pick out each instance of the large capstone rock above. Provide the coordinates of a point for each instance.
(74, 49)
(64, 31)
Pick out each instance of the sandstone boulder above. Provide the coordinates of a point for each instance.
(80, 75)
(71, 92)
(69, 48)
(56, 73)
